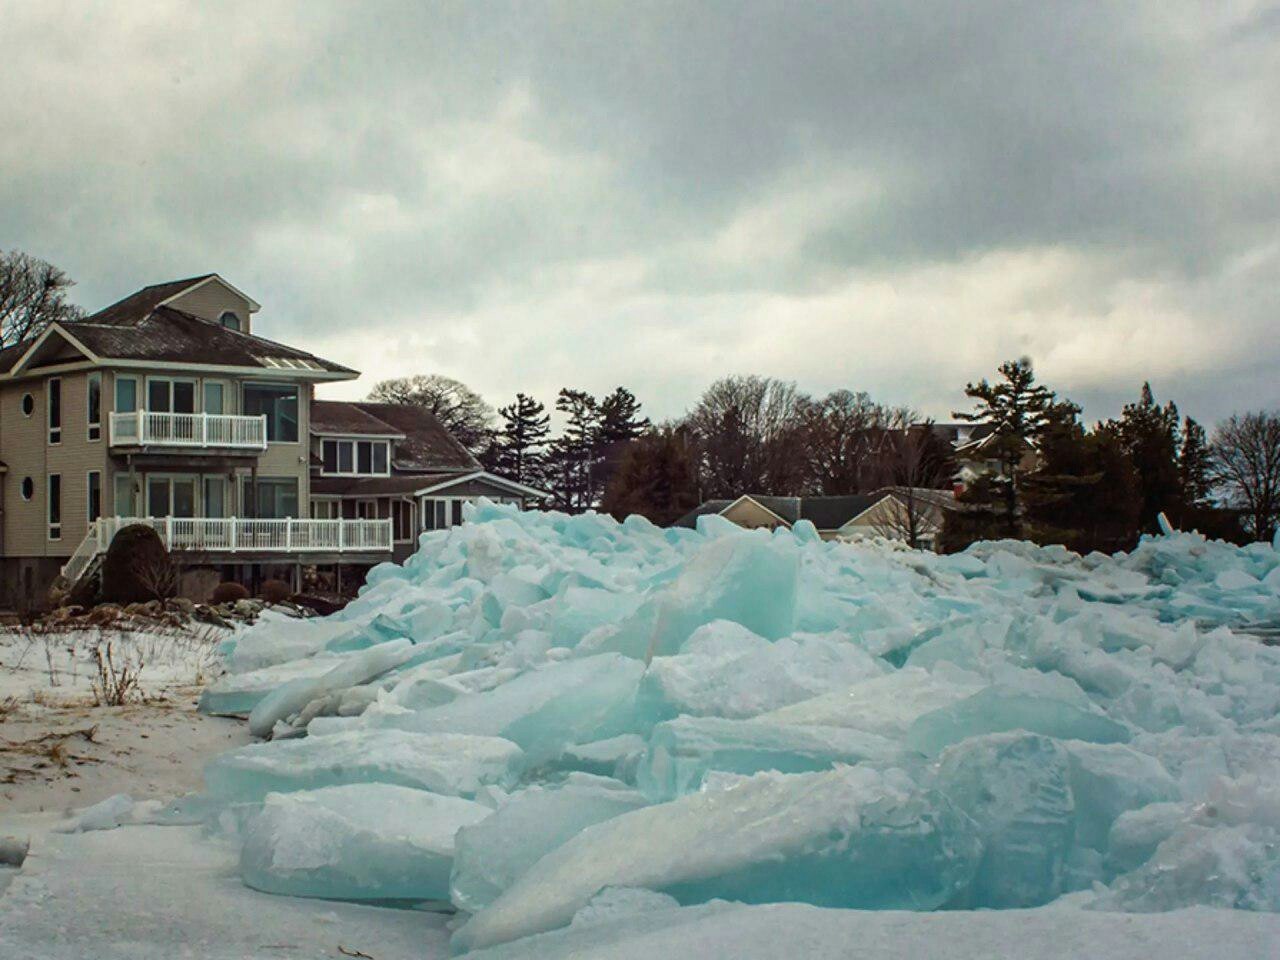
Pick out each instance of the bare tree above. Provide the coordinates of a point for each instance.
(1246, 467)
(463, 412)
(914, 465)
(748, 437)
(33, 294)
(845, 435)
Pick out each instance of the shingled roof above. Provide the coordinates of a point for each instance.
(140, 328)
(427, 446)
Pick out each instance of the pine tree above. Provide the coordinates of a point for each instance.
(572, 458)
(1195, 466)
(1017, 409)
(620, 425)
(657, 478)
(518, 450)
(1083, 491)
(1149, 434)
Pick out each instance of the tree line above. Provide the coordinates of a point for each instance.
(1034, 469)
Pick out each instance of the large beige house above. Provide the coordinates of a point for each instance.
(168, 407)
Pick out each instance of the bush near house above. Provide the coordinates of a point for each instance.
(229, 592)
(275, 591)
(137, 568)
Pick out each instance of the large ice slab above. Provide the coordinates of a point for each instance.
(446, 763)
(683, 751)
(494, 853)
(367, 841)
(725, 670)
(852, 837)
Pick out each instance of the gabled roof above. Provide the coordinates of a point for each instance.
(137, 305)
(142, 329)
(426, 445)
(832, 513)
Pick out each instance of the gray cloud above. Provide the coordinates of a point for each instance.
(886, 196)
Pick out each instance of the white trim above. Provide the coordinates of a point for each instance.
(254, 306)
(487, 477)
(325, 435)
(747, 496)
(49, 331)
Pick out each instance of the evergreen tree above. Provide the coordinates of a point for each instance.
(620, 425)
(657, 478)
(1195, 469)
(1017, 409)
(518, 450)
(1150, 436)
(572, 461)
(1083, 492)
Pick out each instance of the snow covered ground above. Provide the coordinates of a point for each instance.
(601, 740)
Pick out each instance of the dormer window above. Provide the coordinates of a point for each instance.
(230, 320)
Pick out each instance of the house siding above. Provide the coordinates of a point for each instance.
(751, 515)
(210, 300)
(24, 447)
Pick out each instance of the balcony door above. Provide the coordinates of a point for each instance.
(170, 395)
(171, 496)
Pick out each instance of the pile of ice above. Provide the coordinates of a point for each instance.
(550, 720)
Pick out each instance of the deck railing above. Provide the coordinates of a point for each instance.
(232, 535)
(151, 428)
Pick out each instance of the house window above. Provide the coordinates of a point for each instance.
(215, 496)
(93, 400)
(354, 457)
(280, 405)
(275, 497)
(55, 506)
(28, 488)
(230, 320)
(28, 404)
(214, 396)
(95, 495)
(325, 510)
(165, 395)
(126, 394)
(55, 410)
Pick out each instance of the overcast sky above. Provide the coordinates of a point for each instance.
(887, 196)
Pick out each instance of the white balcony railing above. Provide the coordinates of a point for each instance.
(150, 428)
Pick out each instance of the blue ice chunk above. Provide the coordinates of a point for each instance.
(999, 708)
(725, 670)
(1109, 779)
(494, 853)
(845, 838)
(446, 763)
(354, 669)
(543, 710)
(1017, 787)
(367, 841)
(683, 751)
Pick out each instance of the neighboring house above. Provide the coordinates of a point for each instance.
(979, 456)
(397, 461)
(881, 513)
(167, 407)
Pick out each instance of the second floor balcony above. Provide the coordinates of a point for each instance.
(188, 431)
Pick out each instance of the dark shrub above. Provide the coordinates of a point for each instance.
(137, 567)
(229, 592)
(275, 591)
